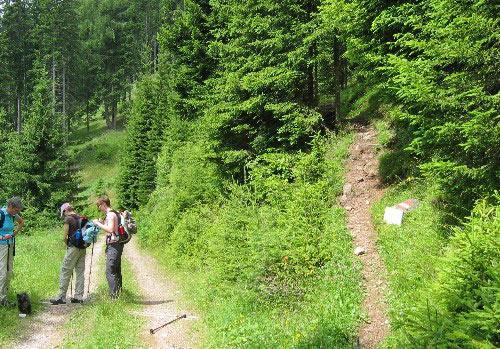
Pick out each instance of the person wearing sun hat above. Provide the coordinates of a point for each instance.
(10, 224)
(74, 259)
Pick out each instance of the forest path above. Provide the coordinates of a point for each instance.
(160, 299)
(46, 329)
(362, 189)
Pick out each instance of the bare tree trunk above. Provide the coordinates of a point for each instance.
(113, 113)
(155, 50)
(18, 122)
(53, 86)
(65, 120)
(310, 79)
(106, 113)
(87, 114)
(338, 80)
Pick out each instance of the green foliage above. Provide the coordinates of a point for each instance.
(436, 59)
(411, 251)
(38, 165)
(273, 246)
(192, 180)
(265, 93)
(29, 276)
(460, 310)
(145, 130)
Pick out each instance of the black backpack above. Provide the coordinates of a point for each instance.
(76, 237)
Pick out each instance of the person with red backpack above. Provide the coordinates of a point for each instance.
(114, 246)
(74, 259)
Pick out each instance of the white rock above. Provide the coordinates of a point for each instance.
(358, 251)
(347, 188)
(393, 215)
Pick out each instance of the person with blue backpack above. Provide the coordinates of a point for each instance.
(10, 224)
(74, 259)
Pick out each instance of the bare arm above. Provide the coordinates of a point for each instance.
(110, 223)
(20, 225)
(66, 232)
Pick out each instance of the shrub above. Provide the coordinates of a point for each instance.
(461, 309)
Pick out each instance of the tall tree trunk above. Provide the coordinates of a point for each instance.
(338, 80)
(65, 119)
(106, 113)
(18, 121)
(87, 115)
(310, 78)
(113, 113)
(156, 46)
(53, 86)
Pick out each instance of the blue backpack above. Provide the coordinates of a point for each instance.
(90, 231)
(76, 238)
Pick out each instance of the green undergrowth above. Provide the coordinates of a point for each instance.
(411, 251)
(36, 272)
(97, 157)
(443, 278)
(443, 281)
(270, 263)
(107, 323)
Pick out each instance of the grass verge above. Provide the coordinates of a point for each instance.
(106, 323)
(36, 272)
(411, 251)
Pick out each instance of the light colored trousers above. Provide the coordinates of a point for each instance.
(6, 255)
(74, 259)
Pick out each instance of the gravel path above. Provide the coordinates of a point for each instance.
(45, 330)
(161, 303)
(360, 192)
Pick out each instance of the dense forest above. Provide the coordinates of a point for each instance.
(238, 116)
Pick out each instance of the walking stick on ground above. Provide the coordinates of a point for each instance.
(90, 269)
(153, 330)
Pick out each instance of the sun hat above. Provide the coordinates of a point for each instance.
(65, 207)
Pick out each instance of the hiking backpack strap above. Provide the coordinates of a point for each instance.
(2, 218)
(119, 219)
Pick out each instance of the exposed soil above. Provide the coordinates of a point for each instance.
(161, 303)
(362, 189)
(45, 330)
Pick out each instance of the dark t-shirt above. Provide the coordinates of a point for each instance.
(72, 222)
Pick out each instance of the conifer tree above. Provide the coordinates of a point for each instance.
(266, 93)
(17, 22)
(40, 166)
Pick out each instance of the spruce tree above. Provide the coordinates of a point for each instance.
(40, 166)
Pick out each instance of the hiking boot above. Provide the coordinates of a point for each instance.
(57, 301)
(76, 300)
(6, 303)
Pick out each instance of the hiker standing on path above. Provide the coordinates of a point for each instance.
(74, 259)
(114, 248)
(9, 216)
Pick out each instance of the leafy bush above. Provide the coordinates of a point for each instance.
(272, 246)
(191, 180)
(461, 308)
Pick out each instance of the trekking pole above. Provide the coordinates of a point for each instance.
(153, 330)
(90, 269)
(71, 284)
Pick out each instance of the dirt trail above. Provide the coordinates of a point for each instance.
(160, 299)
(360, 192)
(45, 330)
